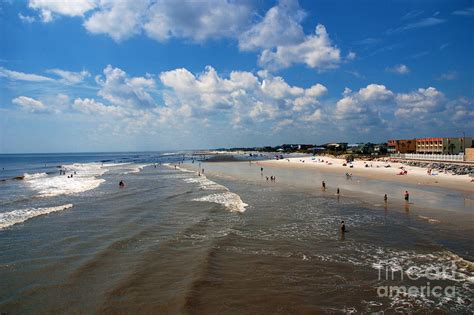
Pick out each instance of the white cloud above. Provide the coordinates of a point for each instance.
(244, 96)
(119, 19)
(121, 90)
(316, 51)
(92, 107)
(21, 76)
(375, 92)
(70, 77)
(62, 7)
(280, 27)
(399, 69)
(30, 104)
(196, 20)
(26, 18)
(420, 103)
(362, 110)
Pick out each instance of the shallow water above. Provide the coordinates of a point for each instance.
(172, 241)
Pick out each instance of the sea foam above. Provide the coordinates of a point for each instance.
(223, 196)
(21, 215)
(230, 200)
(86, 178)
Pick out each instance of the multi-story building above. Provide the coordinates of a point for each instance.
(443, 145)
(401, 146)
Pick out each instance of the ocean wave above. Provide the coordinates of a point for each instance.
(230, 200)
(86, 178)
(135, 169)
(27, 176)
(205, 183)
(18, 216)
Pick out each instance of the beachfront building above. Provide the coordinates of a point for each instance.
(401, 146)
(443, 145)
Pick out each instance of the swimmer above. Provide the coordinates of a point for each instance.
(343, 227)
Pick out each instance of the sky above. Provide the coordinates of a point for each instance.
(151, 75)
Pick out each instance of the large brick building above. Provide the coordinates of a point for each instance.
(401, 146)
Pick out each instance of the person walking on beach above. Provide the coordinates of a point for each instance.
(407, 196)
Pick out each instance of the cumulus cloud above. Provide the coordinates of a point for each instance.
(248, 101)
(118, 19)
(279, 27)
(420, 103)
(62, 7)
(92, 107)
(316, 51)
(363, 110)
(196, 20)
(399, 69)
(278, 35)
(244, 96)
(30, 104)
(120, 89)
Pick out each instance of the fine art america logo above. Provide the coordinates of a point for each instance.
(420, 278)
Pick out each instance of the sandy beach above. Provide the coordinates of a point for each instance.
(377, 170)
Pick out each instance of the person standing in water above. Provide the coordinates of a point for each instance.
(407, 196)
(385, 198)
(343, 227)
(121, 184)
(337, 191)
(323, 184)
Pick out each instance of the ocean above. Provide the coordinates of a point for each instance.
(176, 239)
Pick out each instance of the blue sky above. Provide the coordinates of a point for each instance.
(102, 75)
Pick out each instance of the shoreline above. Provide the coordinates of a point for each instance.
(415, 175)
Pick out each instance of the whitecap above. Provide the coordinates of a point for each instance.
(21, 215)
(86, 178)
(27, 176)
(229, 199)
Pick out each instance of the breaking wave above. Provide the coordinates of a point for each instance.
(18, 216)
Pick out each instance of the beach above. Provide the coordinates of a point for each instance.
(378, 170)
(186, 235)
